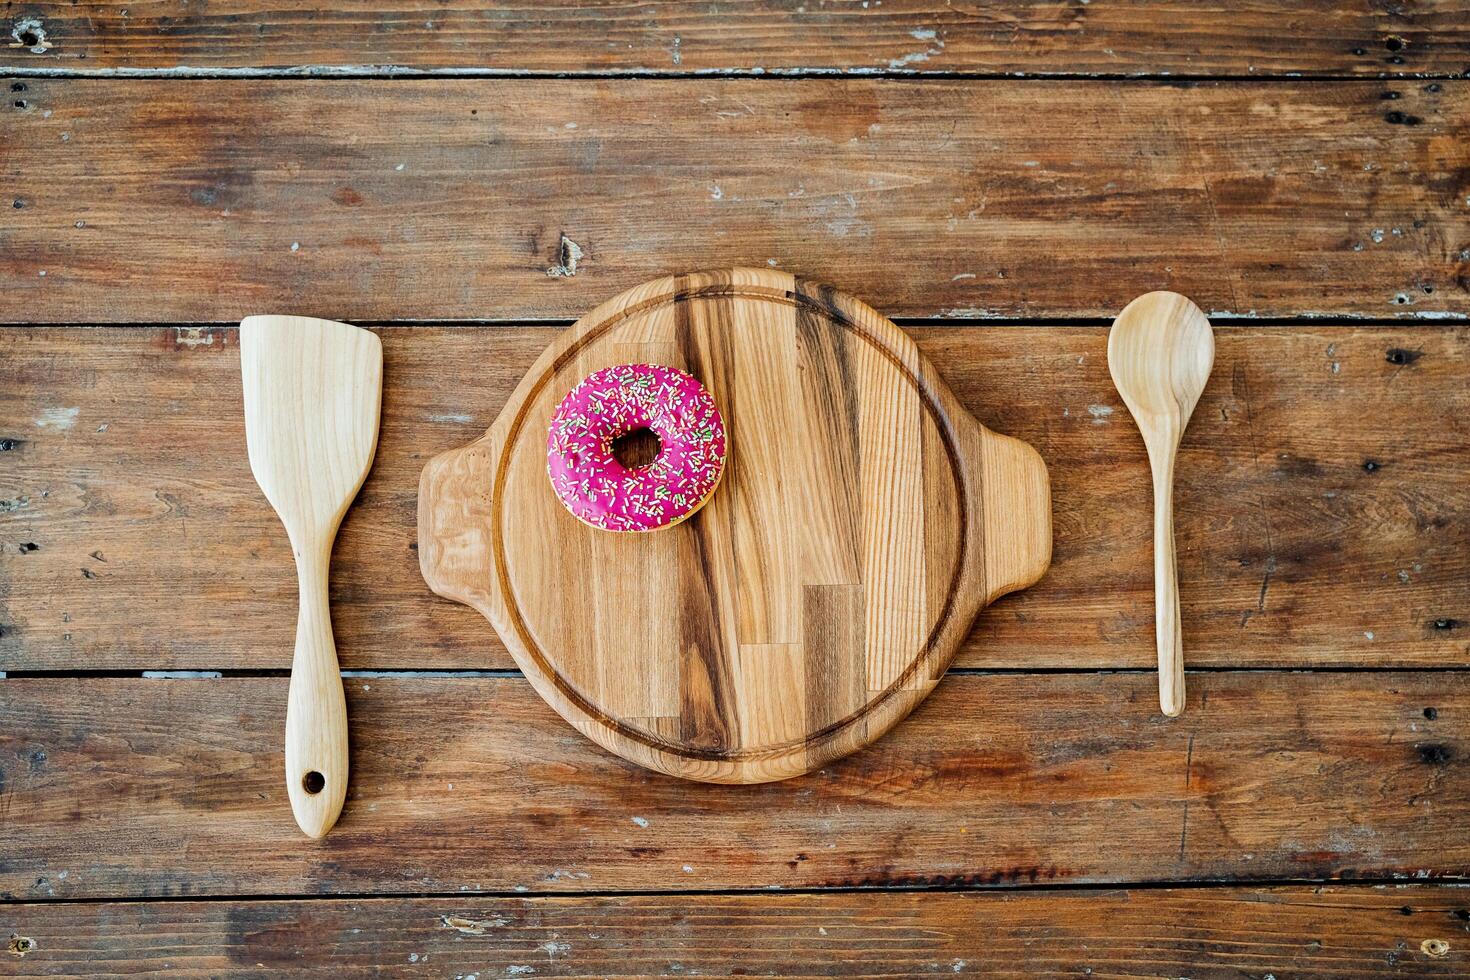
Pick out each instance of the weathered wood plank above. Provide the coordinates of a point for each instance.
(119, 787)
(472, 198)
(1334, 931)
(1034, 37)
(1323, 512)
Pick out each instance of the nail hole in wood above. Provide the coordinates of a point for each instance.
(1434, 755)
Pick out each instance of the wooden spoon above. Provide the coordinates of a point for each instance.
(1160, 352)
(313, 390)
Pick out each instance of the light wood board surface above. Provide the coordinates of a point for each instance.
(863, 519)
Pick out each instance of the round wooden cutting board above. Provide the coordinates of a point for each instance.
(863, 520)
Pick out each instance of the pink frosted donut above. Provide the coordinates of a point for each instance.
(613, 402)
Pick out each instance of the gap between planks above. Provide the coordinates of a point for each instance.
(1306, 321)
(225, 673)
(1440, 881)
(391, 72)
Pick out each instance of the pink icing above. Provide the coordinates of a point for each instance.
(606, 404)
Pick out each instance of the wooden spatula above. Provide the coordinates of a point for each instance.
(313, 389)
(1160, 352)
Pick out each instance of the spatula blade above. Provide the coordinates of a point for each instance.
(312, 394)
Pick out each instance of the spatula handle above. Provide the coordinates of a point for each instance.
(1166, 589)
(316, 710)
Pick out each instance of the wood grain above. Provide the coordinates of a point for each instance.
(695, 656)
(1034, 37)
(1322, 512)
(1331, 931)
(120, 787)
(1326, 522)
(531, 198)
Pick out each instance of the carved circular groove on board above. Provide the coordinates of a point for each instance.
(729, 328)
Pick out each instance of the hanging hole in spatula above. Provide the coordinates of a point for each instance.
(313, 782)
(636, 448)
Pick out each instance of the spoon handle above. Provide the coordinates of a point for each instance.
(1166, 588)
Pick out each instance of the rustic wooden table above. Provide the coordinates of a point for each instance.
(470, 176)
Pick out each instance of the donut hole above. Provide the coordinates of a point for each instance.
(636, 448)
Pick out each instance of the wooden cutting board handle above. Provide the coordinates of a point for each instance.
(454, 540)
(1017, 495)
